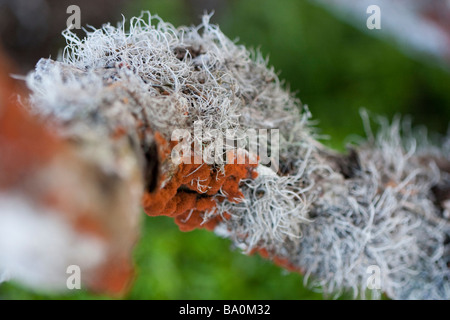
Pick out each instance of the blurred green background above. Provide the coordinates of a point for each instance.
(336, 70)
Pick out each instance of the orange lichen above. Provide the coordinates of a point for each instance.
(279, 261)
(85, 223)
(193, 189)
(119, 132)
(164, 147)
(24, 143)
(113, 277)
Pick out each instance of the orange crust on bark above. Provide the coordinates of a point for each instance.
(193, 189)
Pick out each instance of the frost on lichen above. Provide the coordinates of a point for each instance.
(328, 215)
